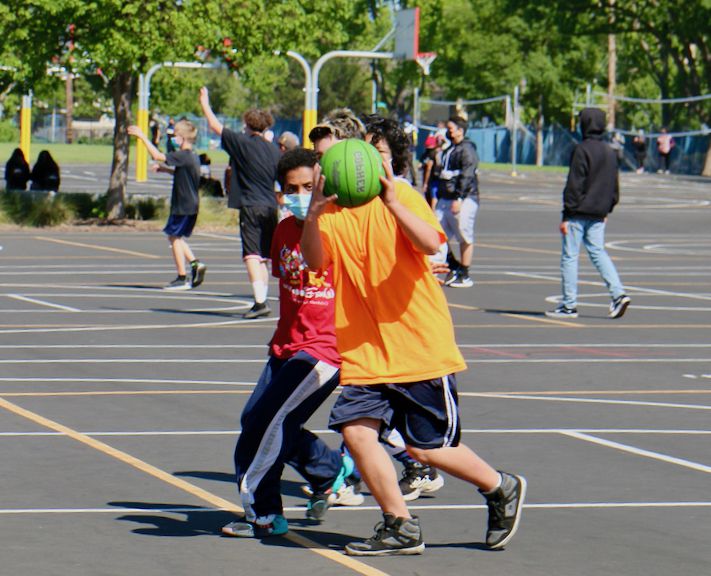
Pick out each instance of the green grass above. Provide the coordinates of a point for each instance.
(67, 154)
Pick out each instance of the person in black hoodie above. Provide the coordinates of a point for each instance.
(458, 199)
(45, 173)
(590, 194)
(17, 171)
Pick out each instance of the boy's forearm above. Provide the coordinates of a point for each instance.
(212, 121)
(156, 154)
(424, 237)
(311, 246)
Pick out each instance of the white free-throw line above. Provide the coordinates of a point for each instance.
(261, 360)
(43, 303)
(628, 286)
(544, 431)
(640, 452)
(129, 381)
(586, 400)
(300, 509)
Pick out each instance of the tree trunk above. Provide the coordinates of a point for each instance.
(121, 88)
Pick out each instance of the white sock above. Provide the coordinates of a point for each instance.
(260, 291)
(498, 485)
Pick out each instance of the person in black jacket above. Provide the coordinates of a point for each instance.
(45, 173)
(458, 199)
(17, 171)
(590, 194)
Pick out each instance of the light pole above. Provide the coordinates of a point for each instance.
(309, 116)
(144, 95)
(339, 54)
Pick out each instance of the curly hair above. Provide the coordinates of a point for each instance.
(341, 122)
(258, 120)
(293, 159)
(386, 129)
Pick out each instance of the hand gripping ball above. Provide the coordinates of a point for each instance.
(352, 169)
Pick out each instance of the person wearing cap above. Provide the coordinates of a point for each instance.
(431, 163)
(253, 162)
(287, 141)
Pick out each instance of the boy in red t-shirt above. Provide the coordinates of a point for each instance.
(302, 371)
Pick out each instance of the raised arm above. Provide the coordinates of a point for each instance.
(212, 121)
(424, 237)
(156, 154)
(311, 243)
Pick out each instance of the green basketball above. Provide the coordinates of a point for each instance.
(352, 169)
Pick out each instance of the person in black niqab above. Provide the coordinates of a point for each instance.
(45, 173)
(17, 171)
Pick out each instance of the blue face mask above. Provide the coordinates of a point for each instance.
(175, 143)
(298, 204)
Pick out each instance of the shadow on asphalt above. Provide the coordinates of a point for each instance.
(288, 487)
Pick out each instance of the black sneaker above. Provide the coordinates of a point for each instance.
(618, 306)
(418, 479)
(393, 537)
(320, 502)
(562, 312)
(257, 310)
(462, 280)
(180, 283)
(505, 505)
(451, 277)
(197, 273)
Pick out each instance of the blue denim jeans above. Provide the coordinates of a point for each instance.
(592, 234)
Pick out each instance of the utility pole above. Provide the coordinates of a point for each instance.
(611, 70)
(69, 84)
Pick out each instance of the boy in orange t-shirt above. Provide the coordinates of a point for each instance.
(396, 339)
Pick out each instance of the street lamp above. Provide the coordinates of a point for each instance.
(144, 94)
(309, 116)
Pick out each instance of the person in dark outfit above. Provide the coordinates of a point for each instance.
(639, 143)
(184, 200)
(254, 162)
(590, 194)
(17, 171)
(45, 173)
(458, 199)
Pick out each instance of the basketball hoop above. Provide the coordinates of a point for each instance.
(425, 59)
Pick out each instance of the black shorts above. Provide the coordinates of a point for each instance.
(256, 228)
(180, 226)
(425, 413)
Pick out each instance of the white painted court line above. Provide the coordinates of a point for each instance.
(640, 452)
(42, 303)
(586, 400)
(130, 381)
(629, 287)
(261, 360)
(263, 346)
(524, 431)
(335, 509)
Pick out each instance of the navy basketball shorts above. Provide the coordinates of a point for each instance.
(425, 413)
(256, 228)
(180, 226)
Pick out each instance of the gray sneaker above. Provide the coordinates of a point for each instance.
(505, 505)
(393, 537)
(257, 311)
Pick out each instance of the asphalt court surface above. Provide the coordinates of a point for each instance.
(120, 403)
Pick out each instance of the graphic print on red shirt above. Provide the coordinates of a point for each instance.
(306, 300)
